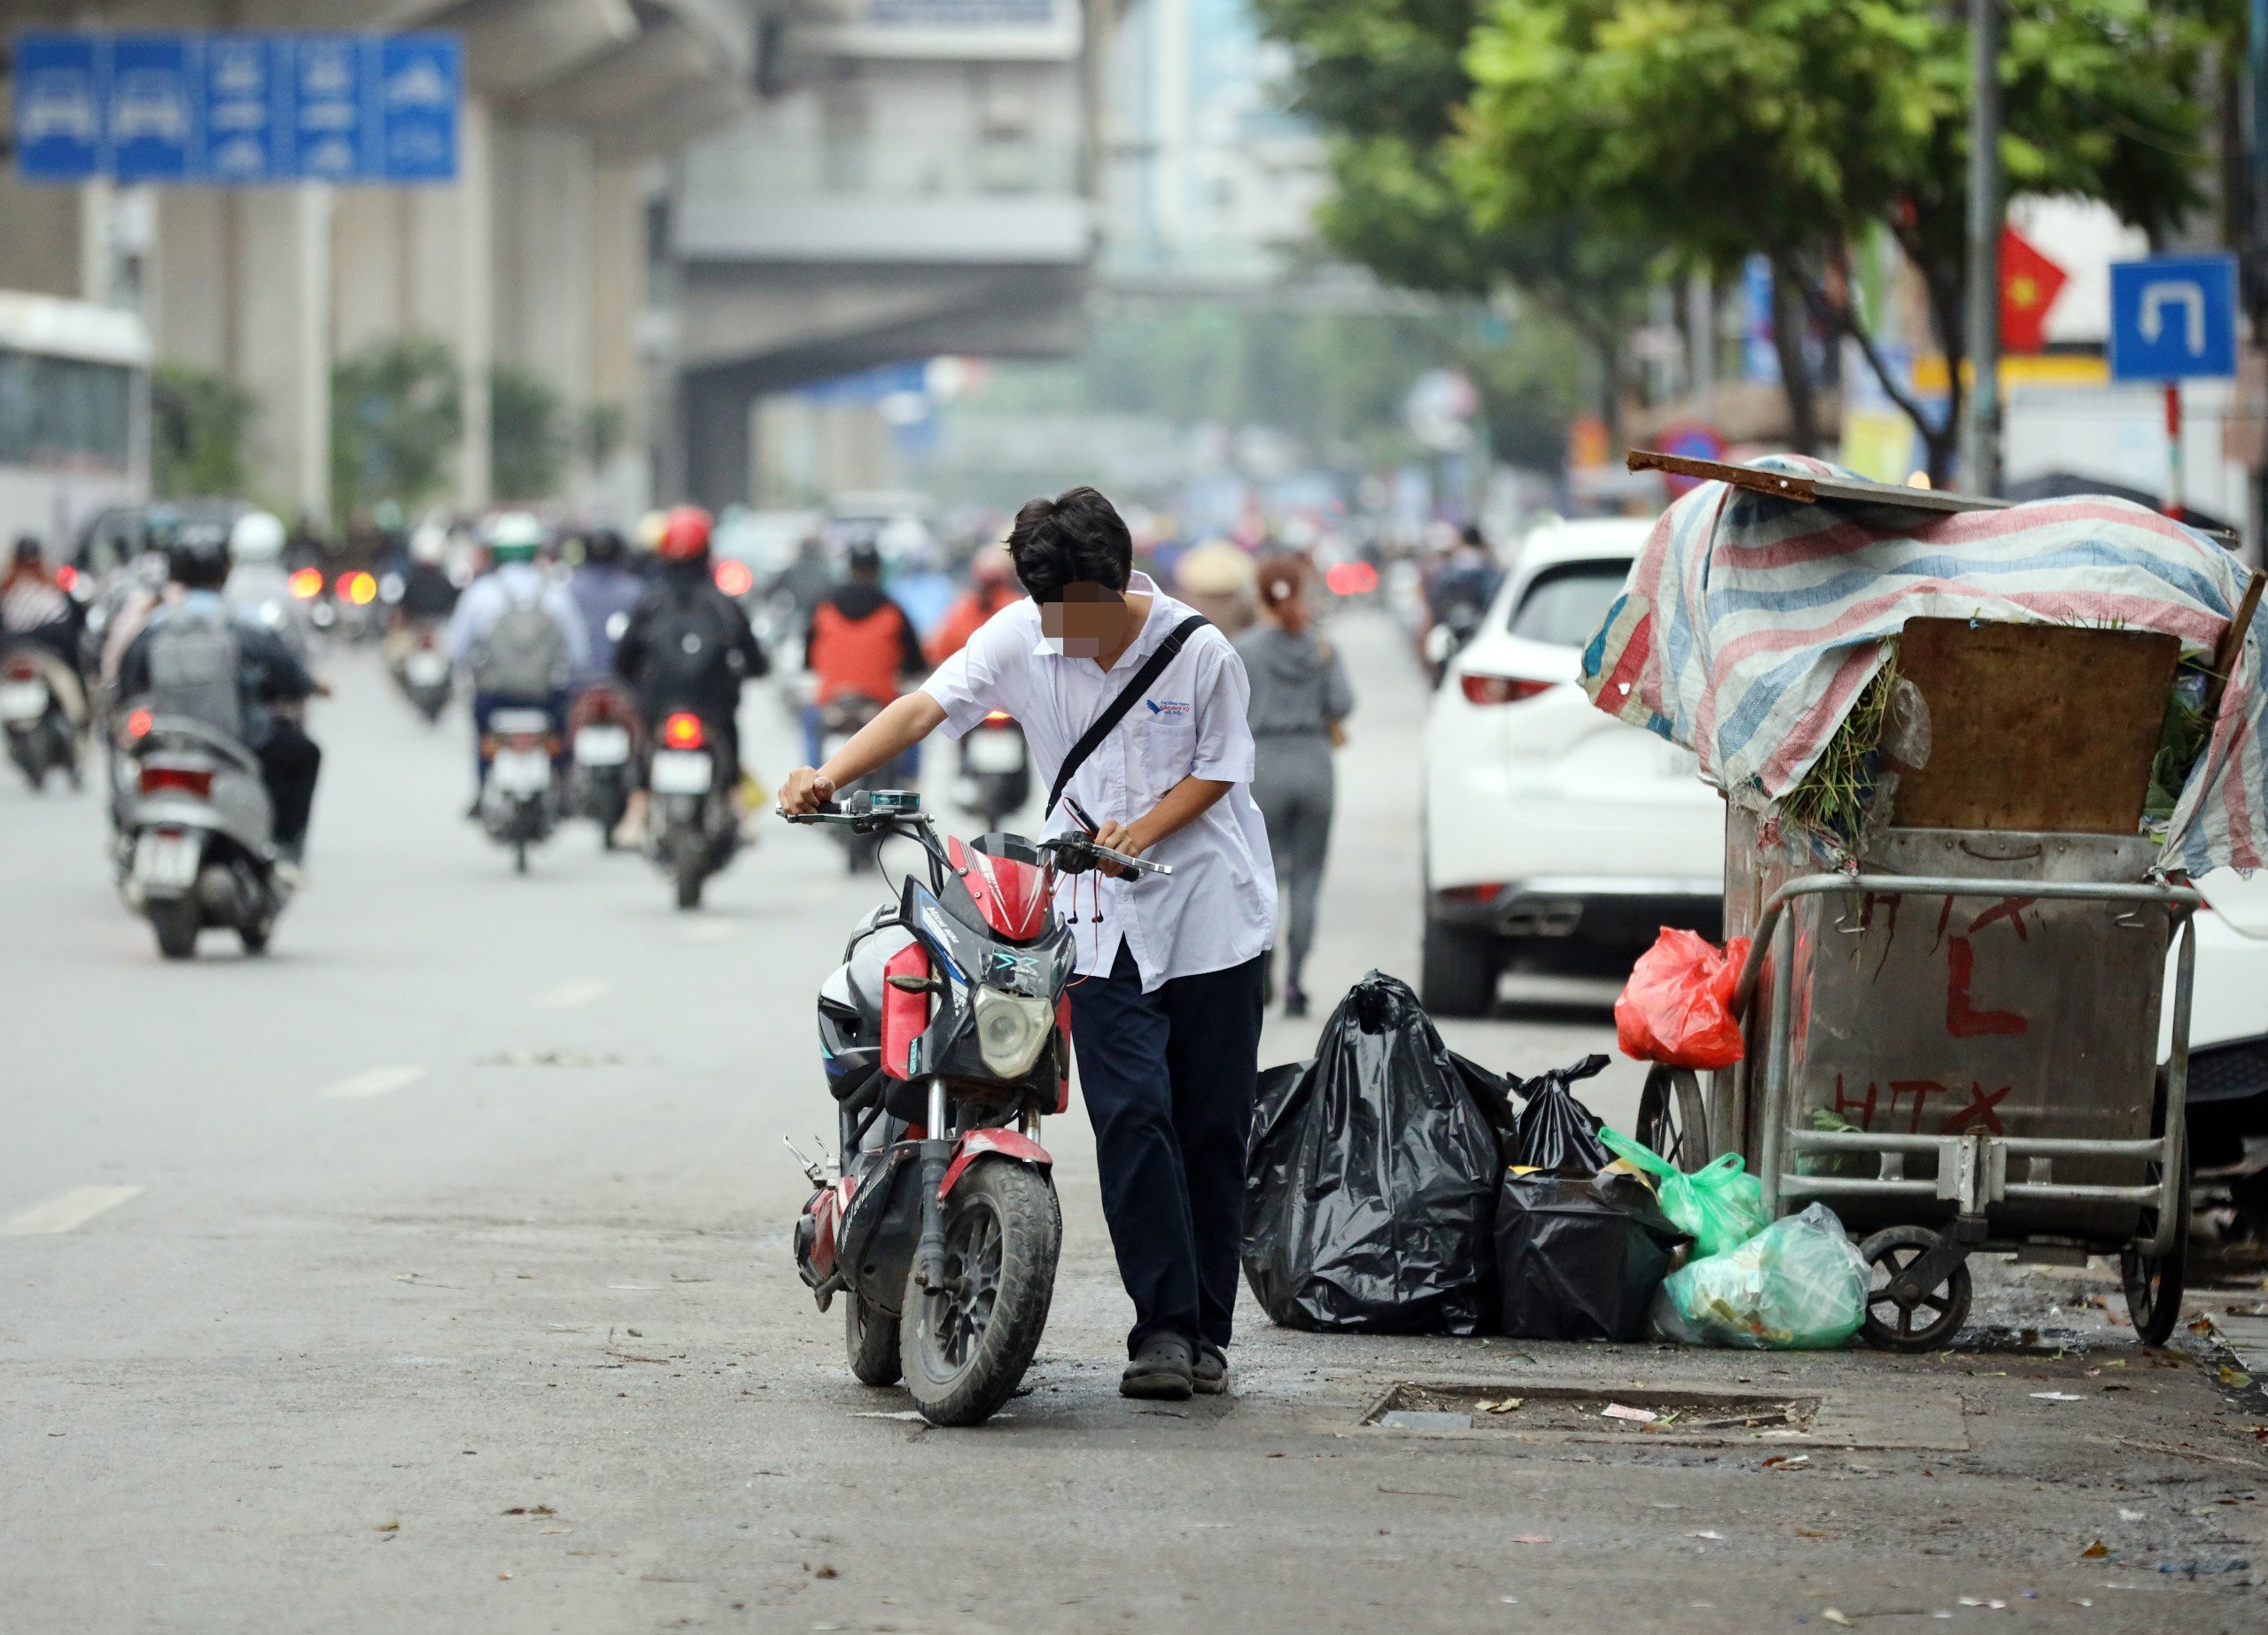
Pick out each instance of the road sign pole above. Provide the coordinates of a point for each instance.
(2173, 486)
(1981, 452)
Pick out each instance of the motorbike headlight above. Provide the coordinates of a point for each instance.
(1011, 1030)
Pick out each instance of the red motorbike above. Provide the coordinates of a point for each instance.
(945, 1035)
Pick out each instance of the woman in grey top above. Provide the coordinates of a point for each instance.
(1300, 703)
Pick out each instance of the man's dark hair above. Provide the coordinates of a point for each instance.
(602, 546)
(1076, 537)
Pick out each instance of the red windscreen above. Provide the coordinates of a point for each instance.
(1011, 895)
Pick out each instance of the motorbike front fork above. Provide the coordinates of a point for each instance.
(937, 1150)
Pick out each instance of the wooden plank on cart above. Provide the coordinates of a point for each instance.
(1808, 490)
(2042, 728)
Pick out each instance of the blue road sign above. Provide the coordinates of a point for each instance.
(236, 109)
(2173, 318)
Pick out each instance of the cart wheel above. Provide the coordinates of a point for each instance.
(1932, 1319)
(2154, 1283)
(1672, 1119)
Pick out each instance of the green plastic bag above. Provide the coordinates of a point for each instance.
(1719, 1204)
(1800, 1284)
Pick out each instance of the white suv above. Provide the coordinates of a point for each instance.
(1551, 829)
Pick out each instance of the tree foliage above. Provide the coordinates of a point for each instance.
(1386, 81)
(200, 422)
(528, 434)
(395, 419)
(1790, 127)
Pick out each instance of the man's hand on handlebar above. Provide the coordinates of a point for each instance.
(804, 792)
(1119, 837)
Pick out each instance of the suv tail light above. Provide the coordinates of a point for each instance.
(187, 781)
(682, 731)
(1482, 689)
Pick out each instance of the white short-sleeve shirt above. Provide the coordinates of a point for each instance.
(1217, 908)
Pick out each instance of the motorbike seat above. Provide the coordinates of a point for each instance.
(168, 732)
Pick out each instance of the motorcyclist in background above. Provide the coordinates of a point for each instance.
(427, 591)
(197, 634)
(992, 586)
(35, 609)
(688, 646)
(605, 591)
(861, 645)
(517, 633)
(34, 605)
(258, 584)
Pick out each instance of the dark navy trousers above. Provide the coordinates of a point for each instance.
(1168, 1080)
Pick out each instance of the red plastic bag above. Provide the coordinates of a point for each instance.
(1677, 1007)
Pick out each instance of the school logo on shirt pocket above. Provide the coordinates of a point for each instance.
(1168, 709)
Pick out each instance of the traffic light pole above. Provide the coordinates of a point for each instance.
(1981, 435)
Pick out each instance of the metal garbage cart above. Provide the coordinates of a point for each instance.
(1955, 1048)
(1954, 1044)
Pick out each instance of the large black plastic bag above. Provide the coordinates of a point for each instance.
(1555, 1131)
(1370, 1191)
(1580, 1258)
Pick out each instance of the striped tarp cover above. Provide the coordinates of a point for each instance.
(1749, 624)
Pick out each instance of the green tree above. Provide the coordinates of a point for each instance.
(1388, 81)
(1791, 128)
(394, 420)
(527, 434)
(201, 421)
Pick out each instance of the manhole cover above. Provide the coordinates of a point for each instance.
(1567, 1410)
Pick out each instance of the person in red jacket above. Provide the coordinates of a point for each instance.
(992, 586)
(860, 645)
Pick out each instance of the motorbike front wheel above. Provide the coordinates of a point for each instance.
(965, 1348)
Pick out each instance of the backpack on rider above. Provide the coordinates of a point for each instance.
(194, 663)
(524, 651)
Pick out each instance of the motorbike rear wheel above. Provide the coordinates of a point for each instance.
(692, 872)
(965, 1349)
(872, 1341)
(174, 920)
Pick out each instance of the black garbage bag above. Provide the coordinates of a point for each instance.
(1555, 1131)
(1371, 1188)
(1579, 1258)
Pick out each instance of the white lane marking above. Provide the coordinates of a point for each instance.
(74, 1208)
(371, 1081)
(582, 991)
(711, 931)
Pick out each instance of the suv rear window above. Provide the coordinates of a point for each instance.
(1566, 604)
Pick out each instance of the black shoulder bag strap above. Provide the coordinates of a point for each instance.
(1091, 739)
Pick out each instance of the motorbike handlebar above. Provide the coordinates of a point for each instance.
(1086, 853)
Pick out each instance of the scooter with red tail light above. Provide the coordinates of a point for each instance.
(195, 844)
(691, 830)
(945, 1036)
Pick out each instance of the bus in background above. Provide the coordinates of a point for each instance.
(75, 417)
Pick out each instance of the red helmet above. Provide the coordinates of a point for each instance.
(685, 534)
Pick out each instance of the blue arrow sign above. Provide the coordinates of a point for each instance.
(235, 109)
(2173, 317)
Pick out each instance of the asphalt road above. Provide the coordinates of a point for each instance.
(432, 1273)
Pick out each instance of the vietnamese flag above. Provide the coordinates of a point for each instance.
(2030, 283)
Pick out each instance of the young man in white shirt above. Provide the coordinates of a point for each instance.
(1165, 1020)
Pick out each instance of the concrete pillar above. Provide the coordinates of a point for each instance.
(717, 409)
(312, 487)
(39, 251)
(476, 332)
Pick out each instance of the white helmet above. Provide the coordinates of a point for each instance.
(515, 536)
(257, 537)
(429, 542)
